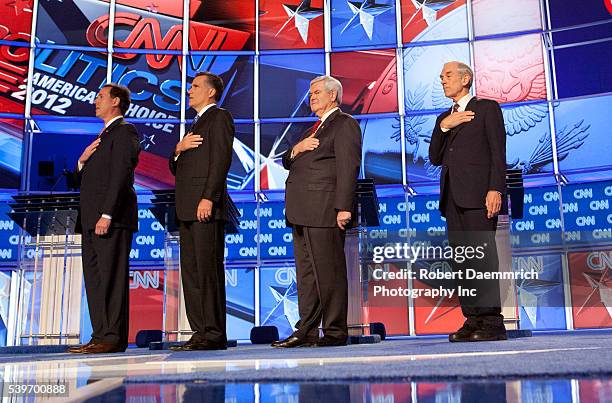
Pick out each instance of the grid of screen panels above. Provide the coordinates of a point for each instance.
(547, 64)
(55, 55)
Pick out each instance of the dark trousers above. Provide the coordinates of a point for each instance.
(203, 278)
(471, 228)
(106, 264)
(321, 282)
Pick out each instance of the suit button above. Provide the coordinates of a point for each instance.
(450, 149)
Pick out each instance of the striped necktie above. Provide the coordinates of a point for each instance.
(195, 120)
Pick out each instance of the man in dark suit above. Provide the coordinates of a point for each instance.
(469, 141)
(107, 220)
(200, 164)
(320, 191)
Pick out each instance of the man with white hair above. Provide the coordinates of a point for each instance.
(469, 142)
(319, 206)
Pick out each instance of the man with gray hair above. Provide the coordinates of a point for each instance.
(319, 206)
(469, 142)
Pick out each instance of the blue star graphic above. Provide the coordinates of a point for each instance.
(301, 15)
(366, 11)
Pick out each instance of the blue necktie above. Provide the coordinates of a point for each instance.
(195, 120)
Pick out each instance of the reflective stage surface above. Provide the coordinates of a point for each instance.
(539, 390)
(549, 368)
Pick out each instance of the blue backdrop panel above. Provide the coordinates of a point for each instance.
(285, 82)
(528, 138)
(240, 296)
(276, 241)
(363, 23)
(393, 227)
(541, 222)
(583, 127)
(243, 245)
(541, 301)
(148, 242)
(278, 298)
(422, 67)
(66, 82)
(11, 144)
(68, 22)
(586, 212)
(381, 150)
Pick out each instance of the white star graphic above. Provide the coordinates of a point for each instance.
(605, 292)
(301, 15)
(531, 292)
(20, 6)
(152, 7)
(286, 305)
(147, 140)
(429, 14)
(366, 11)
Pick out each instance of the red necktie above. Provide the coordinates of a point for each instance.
(314, 128)
(455, 107)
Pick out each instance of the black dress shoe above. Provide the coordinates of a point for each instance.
(184, 346)
(293, 341)
(489, 334)
(200, 345)
(79, 349)
(464, 333)
(331, 342)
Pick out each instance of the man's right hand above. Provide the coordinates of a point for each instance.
(89, 151)
(308, 144)
(188, 142)
(455, 119)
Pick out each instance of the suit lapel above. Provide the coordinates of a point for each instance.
(319, 130)
(327, 122)
(112, 126)
(201, 119)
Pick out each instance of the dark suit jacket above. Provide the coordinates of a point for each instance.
(323, 181)
(201, 173)
(107, 179)
(473, 154)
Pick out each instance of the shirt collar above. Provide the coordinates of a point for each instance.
(464, 101)
(110, 122)
(326, 114)
(204, 109)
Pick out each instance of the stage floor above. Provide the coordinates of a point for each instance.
(553, 360)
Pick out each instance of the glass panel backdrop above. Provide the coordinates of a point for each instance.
(516, 62)
(549, 65)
